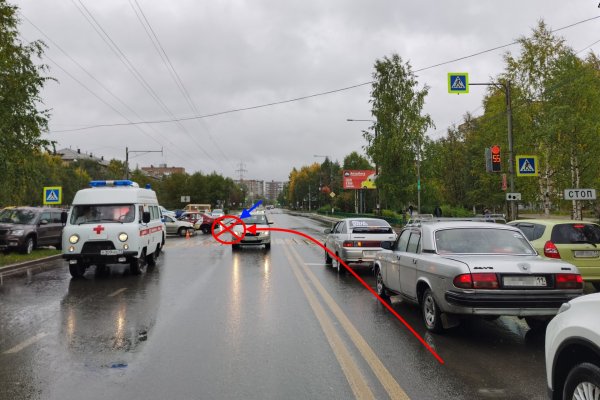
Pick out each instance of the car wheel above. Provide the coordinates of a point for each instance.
(327, 258)
(338, 266)
(583, 382)
(267, 246)
(151, 259)
(235, 247)
(206, 230)
(58, 246)
(380, 287)
(181, 231)
(431, 312)
(596, 286)
(537, 323)
(137, 265)
(77, 270)
(28, 246)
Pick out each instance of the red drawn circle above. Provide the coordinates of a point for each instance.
(228, 228)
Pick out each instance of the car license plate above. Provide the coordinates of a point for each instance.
(110, 252)
(369, 253)
(517, 281)
(586, 253)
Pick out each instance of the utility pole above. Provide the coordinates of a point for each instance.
(127, 151)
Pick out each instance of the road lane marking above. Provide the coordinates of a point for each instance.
(26, 343)
(390, 384)
(355, 378)
(116, 292)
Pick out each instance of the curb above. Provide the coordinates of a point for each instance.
(13, 267)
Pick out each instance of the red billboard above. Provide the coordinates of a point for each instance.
(359, 179)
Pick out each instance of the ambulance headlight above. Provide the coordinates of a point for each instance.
(123, 237)
(73, 239)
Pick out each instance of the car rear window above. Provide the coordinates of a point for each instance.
(532, 231)
(481, 241)
(370, 226)
(575, 233)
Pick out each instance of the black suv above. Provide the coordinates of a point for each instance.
(25, 228)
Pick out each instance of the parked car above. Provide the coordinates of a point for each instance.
(191, 217)
(573, 350)
(217, 212)
(577, 242)
(205, 223)
(450, 268)
(26, 228)
(356, 240)
(259, 238)
(164, 211)
(178, 227)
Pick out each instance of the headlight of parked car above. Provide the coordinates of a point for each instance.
(123, 236)
(17, 232)
(73, 239)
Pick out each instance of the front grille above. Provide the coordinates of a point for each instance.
(95, 247)
(3, 232)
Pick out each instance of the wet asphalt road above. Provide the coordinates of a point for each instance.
(207, 323)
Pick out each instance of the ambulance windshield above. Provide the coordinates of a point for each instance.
(92, 213)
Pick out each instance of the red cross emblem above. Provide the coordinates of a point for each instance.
(98, 229)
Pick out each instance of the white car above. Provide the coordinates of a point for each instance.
(573, 350)
(217, 212)
(262, 237)
(178, 227)
(357, 240)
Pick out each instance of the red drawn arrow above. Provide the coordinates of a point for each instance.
(252, 229)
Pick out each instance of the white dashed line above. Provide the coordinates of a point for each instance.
(26, 343)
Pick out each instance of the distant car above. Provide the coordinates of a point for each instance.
(178, 227)
(191, 216)
(164, 211)
(573, 350)
(26, 228)
(577, 242)
(205, 223)
(217, 212)
(357, 240)
(260, 238)
(473, 268)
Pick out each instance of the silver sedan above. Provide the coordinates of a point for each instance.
(473, 268)
(357, 240)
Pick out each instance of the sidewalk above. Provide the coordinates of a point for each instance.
(6, 270)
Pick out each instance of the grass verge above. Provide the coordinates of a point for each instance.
(15, 258)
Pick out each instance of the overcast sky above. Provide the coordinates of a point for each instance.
(235, 54)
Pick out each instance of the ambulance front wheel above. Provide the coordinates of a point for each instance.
(137, 265)
(77, 270)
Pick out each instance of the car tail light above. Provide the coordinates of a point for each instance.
(485, 281)
(569, 281)
(348, 243)
(463, 281)
(476, 281)
(550, 250)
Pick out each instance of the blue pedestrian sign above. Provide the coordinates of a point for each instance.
(527, 165)
(52, 195)
(458, 82)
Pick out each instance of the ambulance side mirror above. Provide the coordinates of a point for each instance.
(63, 217)
(146, 217)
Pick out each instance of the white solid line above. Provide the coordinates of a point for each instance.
(26, 343)
(320, 264)
(116, 292)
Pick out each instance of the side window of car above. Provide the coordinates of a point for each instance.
(414, 243)
(141, 213)
(47, 216)
(343, 228)
(402, 241)
(337, 227)
(55, 218)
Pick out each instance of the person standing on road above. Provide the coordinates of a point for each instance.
(438, 211)
(410, 210)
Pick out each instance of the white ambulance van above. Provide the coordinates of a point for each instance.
(112, 222)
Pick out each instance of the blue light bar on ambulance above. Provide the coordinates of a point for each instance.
(122, 182)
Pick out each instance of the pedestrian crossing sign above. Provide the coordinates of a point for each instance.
(52, 195)
(527, 165)
(458, 82)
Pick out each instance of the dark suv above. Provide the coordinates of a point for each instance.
(25, 228)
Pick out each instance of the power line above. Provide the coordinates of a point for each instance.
(319, 93)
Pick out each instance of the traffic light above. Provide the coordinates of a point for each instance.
(496, 160)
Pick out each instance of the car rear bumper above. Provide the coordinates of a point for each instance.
(359, 256)
(506, 304)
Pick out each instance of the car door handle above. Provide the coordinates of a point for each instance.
(398, 258)
(414, 260)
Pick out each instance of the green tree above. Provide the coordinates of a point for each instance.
(21, 121)
(396, 138)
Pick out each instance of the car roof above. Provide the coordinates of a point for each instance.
(551, 222)
(446, 224)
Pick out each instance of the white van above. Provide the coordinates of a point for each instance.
(112, 222)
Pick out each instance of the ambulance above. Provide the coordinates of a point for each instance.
(113, 222)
